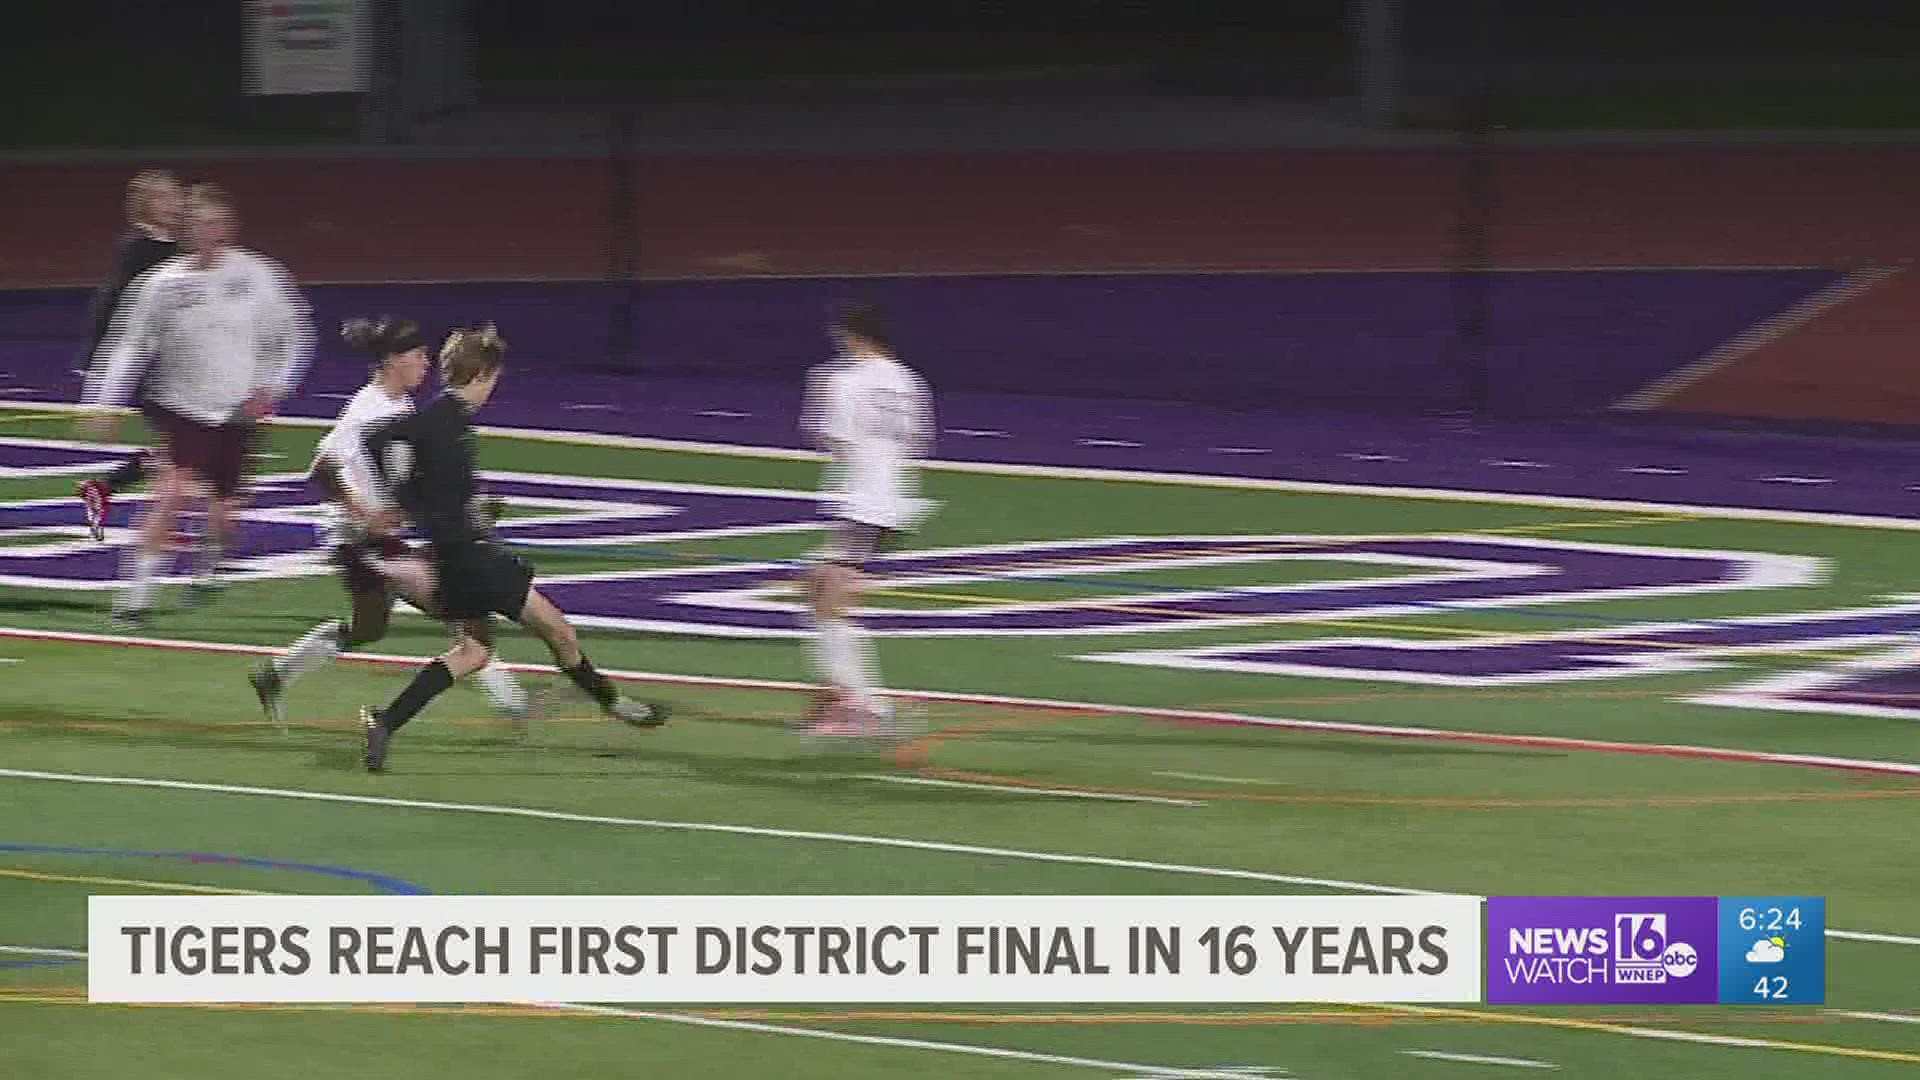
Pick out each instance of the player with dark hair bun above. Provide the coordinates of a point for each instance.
(360, 531)
(427, 460)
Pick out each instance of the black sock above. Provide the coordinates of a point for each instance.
(130, 472)
(595, 684)
(425, 686)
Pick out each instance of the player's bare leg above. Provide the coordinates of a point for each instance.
(153, 539)
(215, 540)
(550, 624)
(372, 610)
(412, 580)
(472, 650)
(851, 704)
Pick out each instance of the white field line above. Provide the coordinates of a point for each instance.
(1539, 742)
(903, 843)
(1479, 1059)
(1182, 479)
(1004, 1053)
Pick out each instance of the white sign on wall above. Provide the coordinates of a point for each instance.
(308, 46)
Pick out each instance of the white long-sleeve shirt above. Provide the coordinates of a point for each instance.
(879, 422)
(345, 447)
(214, 336)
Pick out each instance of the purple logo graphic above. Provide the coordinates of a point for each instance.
(1583, 950)
(1462, 572)
(44, 545)
(22, 458)
(1640, 649)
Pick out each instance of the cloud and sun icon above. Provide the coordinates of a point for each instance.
(1768, 951)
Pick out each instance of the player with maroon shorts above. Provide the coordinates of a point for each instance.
(228, 336)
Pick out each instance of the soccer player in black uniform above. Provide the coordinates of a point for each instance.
(155, 202)
(427, 461)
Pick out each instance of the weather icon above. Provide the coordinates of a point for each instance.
(1768, 951)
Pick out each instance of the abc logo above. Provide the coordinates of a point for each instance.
(1680, 960)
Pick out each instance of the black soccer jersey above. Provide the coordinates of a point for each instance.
(137, 253)
(437, 487)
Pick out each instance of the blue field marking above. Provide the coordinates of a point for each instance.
(381, 882)
(39, 962)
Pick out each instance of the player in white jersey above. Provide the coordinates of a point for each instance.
(875, 418)
(360, 528)
(224, 336)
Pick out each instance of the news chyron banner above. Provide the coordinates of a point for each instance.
(1624, 950)
(775, 949)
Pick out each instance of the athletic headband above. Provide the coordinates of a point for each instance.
(402, 343)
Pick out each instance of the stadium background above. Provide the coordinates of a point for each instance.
(638, 146)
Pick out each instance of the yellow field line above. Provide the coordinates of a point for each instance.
(1361, 1015)
(1281, 547)
(29, 418)
(134, 883)
(1674, 1035)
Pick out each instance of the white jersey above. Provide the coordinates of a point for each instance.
(814, 407)
(879, 422)
(344, 447)
(216, 336)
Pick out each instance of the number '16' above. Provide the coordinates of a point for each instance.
(1647, 943)
(1239, 955)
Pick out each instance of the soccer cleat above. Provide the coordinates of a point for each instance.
(835, 715)
(818, 709)
(127, 619)
(640, 714)
(376, 736)
(271, 692)
(96, 498)
(204, 591)
(838, 726)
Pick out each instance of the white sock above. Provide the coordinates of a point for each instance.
(209, 555)
(142, 567)
(501, 688)
(315, 650)
(817, 649)
(869, 687)
(847, 655)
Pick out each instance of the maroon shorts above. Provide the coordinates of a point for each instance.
(216, 453)
(357, 568)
